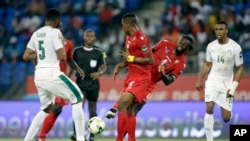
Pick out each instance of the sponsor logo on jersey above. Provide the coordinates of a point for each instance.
(144, 49)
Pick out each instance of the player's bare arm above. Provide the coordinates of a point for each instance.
(103, 69)
(204, 71)
(237, 77)
(140, 60)
(29, 54)
(74, 66)
(61, 54)
(119, 66)
(96, 75)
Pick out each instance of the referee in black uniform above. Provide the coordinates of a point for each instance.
(91, 60)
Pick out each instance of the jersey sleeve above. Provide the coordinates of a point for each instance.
(179, 68)
(70, 50)
(74, 55)
(58, 39)
(238, 57)
(31, 43)
(208, 54)
(156, 46)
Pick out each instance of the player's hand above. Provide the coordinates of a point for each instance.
(199, 85)
(162, 66)
(123, 54)
(116, 71)
(228, 94)
(81, 73)
(94, 75)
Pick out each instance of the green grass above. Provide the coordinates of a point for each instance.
(112, 139)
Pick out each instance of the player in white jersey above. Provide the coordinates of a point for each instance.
(47, 48)
(222, 56)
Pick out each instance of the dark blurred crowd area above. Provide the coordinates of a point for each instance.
(20, 18)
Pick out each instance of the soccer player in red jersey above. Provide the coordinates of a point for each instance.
(169, 62)
(138, 56)
(60, 102)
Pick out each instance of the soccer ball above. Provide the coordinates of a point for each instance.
(96, 125)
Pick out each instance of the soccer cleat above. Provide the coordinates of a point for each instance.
(40, 139)
(111, 113)
(73, 137)
(91, 137)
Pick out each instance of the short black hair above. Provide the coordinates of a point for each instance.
(222, 22)
(53, 14)
(190, 40)
(130, 18)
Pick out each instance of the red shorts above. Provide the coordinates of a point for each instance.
(61, 101)
(137, 86)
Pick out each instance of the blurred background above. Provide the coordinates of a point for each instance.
(159, 19)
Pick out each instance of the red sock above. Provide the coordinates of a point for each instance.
(48, 123)
(121, 125)
(131, 128)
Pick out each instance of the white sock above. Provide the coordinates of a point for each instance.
(209, 125)
(78, 117)
(35, 125)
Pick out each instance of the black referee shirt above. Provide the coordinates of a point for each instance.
(89, 60)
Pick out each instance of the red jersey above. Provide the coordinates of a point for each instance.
(68, 46)
(138, 45)
(164, 50)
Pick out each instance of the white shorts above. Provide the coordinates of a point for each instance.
(216, 91)
(51, 82)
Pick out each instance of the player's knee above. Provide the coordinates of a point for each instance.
(57, 109)
(138, 107)
(48, 108)
(226, 118)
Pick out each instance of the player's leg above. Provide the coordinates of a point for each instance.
(92, 97)
(124, 102)
(73, 136)
(51, 118)
(46, 105)
(226, 105)
(69, 90)
(209, 120)
(131, 119)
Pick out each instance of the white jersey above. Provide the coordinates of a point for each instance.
(224, 58)
(45, 41)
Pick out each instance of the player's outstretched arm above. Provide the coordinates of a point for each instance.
(237, 76)
(167, 78)
(73, 65)
(133, 59)
(204, 71)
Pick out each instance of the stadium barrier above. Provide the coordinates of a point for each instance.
(183, 89)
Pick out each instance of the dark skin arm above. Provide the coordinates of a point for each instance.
(74, 66)
(204, 72)
(29, 55)
(237, 76)
(167, 78)
(96, 75)
(119, 66)
(140, 60)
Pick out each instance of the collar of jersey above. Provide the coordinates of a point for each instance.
(88, 49)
